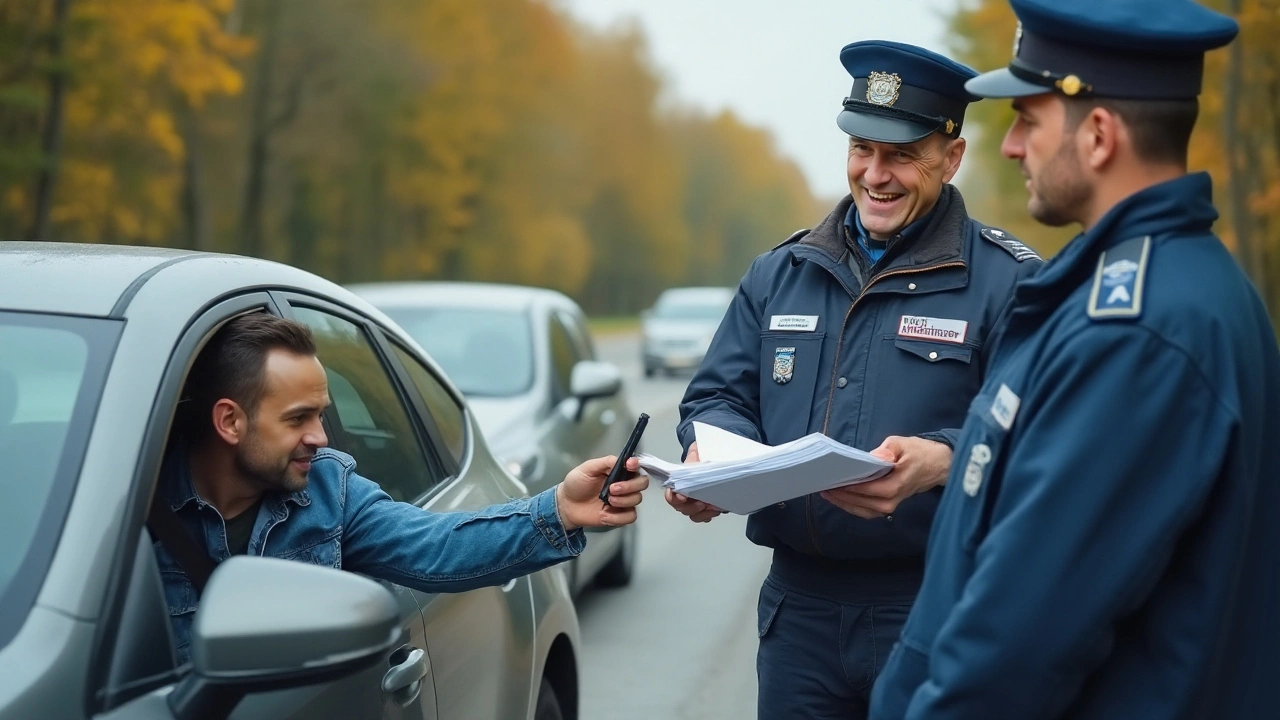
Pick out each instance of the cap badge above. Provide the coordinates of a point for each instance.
(1017, 39)
(950, 127)
(882, 88)
(1071, 85)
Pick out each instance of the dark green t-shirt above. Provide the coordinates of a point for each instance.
(239, 528)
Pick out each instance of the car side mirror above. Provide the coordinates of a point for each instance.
(267, 624)
(593, 379)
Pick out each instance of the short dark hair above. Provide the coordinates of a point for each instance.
(233, 364)
(1161, 129)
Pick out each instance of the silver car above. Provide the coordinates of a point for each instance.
(676, 332)
(95, 342)
(525, 361)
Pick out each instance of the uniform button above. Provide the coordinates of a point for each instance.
(911, 286)
(889, 518)
(841, 382)
(933, 355)
(782, 506)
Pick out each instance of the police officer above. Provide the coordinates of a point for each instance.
(1108, 545)
(874, 327)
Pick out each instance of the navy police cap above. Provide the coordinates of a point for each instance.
(902, 93)
(1132, 49)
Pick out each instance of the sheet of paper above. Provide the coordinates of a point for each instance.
(717, 445)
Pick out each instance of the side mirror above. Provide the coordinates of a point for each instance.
(267, 624)
(593, 379)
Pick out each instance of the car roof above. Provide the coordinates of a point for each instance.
(695, 294)
(458, 294)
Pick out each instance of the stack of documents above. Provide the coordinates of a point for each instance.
(741, 476)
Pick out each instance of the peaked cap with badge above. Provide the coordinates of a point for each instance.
(1135, 49)
(902, 93)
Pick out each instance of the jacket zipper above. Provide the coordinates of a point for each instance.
(835, 367)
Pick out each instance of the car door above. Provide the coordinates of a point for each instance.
(129, 657)
(483, 640)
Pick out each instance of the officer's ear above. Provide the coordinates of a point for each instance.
(953, 152)
(1099, 137)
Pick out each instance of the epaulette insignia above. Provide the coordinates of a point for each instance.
(1010, 244)
(1117, 285)
(793, 237)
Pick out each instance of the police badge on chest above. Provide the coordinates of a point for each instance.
(784, 364)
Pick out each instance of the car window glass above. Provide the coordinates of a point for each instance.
(563, 356)
(448, 416)
(485, 352)
(579, 334)
(369, 421)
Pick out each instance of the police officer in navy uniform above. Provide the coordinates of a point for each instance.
(874, 327)
(1108, 545)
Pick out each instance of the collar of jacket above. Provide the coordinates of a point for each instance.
(941, 239)
(180, 490)
(1183, 205)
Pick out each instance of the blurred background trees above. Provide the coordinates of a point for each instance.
(397, 139)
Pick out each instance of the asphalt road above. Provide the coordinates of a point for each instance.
(680, 642)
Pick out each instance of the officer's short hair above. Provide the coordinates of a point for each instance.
(233, 365)
(1161, 129)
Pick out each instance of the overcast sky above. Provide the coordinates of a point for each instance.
(774, 63)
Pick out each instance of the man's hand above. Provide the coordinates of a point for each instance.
(695, 510)
(918, 465)
(578, 497)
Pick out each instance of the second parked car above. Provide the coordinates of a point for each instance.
(525, 361)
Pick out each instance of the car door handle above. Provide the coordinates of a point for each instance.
(510, 585)
(404, 677)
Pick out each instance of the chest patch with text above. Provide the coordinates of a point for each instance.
(937, 329)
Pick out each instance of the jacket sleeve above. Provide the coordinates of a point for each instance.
(725, 390)
(451, 552)
(1097, 487)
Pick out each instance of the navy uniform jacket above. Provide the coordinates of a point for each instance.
(1108, 545)
(901, 353)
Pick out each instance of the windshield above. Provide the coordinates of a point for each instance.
(486, 353)
(705, 307)
(51, 371)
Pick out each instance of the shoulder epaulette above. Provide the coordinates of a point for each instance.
(794, 237)
(1118, 281)
(1009, 244)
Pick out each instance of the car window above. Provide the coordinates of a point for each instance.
(579, 334)
(368, 419)
(485, 352)
(563, 356)
(692, 305)
(449, 417)
(51, 374)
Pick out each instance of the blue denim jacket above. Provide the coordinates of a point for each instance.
(343, 520)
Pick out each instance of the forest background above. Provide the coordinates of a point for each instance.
(495, 140)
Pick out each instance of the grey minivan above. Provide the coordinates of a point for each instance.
(95, 342)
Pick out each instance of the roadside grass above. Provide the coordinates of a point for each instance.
(613, 325)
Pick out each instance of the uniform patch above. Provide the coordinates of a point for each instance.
(976, 469)
(1010, 244)
(784, 364)
(801, 323)
(1005, 407)
(1117, 285)
(928, 328)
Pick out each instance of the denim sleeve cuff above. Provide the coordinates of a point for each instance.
(547, 519)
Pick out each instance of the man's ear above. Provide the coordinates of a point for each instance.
(229, 421)
(954, 153)
(1099, 138)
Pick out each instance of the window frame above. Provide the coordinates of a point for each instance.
(420, 404)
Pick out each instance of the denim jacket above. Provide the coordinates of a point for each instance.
(343, 520)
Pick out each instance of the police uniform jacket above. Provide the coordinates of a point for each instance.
(807, 345)
(1106, 545)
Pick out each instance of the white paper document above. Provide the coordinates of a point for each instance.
(741, 475)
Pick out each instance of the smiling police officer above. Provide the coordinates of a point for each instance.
(1109, 543)
(874, 328)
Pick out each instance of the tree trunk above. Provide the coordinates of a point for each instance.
(1240, 180)
(251, 229)
(51, 142)
(193, 200)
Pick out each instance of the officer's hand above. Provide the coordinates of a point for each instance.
(578, 497)
(695, 510)
(918, 465)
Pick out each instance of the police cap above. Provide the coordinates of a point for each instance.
(1129, 49)
(902, 93)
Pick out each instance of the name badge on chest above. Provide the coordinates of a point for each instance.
(936, 329)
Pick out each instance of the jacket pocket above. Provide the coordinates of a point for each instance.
(789, 367)
(935, 352)
(771, 597)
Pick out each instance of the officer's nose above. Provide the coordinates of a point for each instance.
(1014, 144)
(878, 171)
